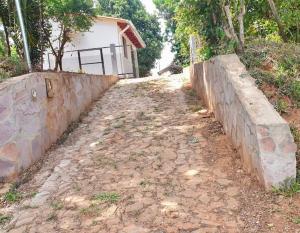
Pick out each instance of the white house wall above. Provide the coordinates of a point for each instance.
(126, 62)
(101, 34)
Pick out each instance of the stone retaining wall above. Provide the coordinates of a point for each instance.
(35, 110)
(261, 136)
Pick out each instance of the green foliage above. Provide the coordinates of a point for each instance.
(207, 20)
(204, 19)
(276, 64)
(146, 24)
(12, 196)
(296, 134)
(4, 219)
(3, 75)
(2, 45)
(57, 205)
(288, 188)
(70, 16)
(11, 66)
(290, 15)
(34, 23)
(296, 220)
(281, 106)
(74, 15)
(107, 197)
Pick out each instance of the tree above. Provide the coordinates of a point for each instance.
(224, 26)
(167, 10)
(4, 17)
(33, 20)
(278, 20)
(204, 18)
(68, 16)
(240, 38)
(146, 24)
(289, 12)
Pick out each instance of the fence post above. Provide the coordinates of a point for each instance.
(49, 64)
(136, 64)
(79, 60)
(102, 61)
(114, 63)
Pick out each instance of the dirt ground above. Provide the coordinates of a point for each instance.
(147, 158)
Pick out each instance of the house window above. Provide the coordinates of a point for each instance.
(125, 47)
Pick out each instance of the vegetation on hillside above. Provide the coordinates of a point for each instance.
(223, 26)
(276, 65)
(276, 68)
(146, 24)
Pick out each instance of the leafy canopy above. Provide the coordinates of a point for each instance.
(70, 16)
(76, 15)
(207, 20)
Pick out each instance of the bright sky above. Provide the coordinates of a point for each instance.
(166, 56)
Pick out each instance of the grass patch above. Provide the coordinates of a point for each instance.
(275, 64)
(296, 220)
(52, 217)
(92, 210)
(281, 106)
(4, 219)
(57, 205)
(288, 188)
(107, 197)
(12, 196)
(296, 133)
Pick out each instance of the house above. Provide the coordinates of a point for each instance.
(109, 47)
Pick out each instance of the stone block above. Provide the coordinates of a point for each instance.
(258, 132)
(10, 152)
(7, 169)
(7, 131)
(30, 125)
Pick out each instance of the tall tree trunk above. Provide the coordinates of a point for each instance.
(298, 33)
(56, 64)
(241, 22)
(58, 61)
(231, 32)
(41, 34)
(278, 20)
(60, 65)
(7, 40)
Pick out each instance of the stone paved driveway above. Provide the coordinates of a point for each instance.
(144, 159)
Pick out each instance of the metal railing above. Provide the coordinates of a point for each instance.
(101, 61)
(91, 63)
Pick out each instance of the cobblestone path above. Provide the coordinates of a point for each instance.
(144, 159)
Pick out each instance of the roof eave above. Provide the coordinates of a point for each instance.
(136, 33)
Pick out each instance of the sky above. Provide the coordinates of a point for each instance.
(166, 56)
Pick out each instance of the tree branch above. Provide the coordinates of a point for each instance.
(241, 22)
(278, 20)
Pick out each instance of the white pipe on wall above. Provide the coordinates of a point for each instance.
(23, 35)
